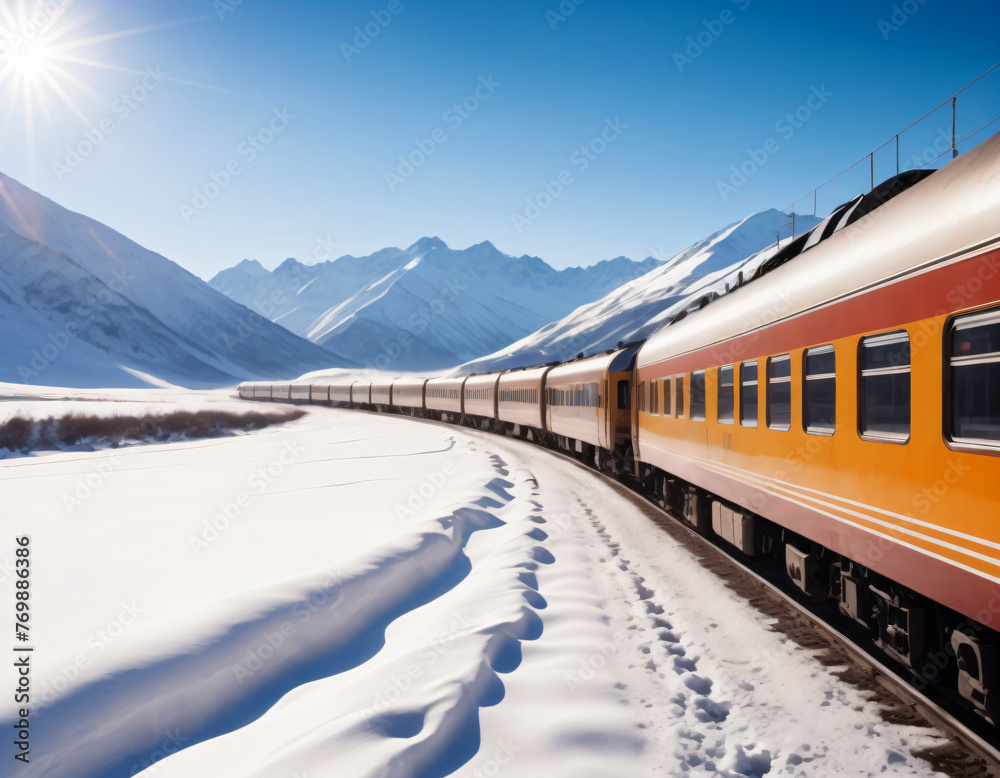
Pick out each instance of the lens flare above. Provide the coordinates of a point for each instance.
(30, 60)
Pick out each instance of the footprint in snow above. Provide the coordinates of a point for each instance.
(529, 579)
(501, 467)
(643, 592)
(698, 684)
(711, 711)
(542, 555)
(499, 487)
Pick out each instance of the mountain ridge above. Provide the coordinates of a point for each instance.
(427, 306)
(705, 270)
(78, 293)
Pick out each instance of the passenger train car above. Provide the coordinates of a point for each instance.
(838, 416)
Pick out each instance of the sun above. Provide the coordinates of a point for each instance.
(30, 60)
(37, 43)
(47, 48)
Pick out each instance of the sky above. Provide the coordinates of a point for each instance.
(575, 131)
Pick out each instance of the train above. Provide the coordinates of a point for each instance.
(835, 416)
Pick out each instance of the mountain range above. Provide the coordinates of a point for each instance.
(426, 307)
(82, 305)
(698, 274)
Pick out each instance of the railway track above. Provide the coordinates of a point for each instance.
(969, 753)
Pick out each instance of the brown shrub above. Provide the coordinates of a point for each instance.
(19, 434)
(16, 433)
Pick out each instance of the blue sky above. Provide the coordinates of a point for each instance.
(598, 129)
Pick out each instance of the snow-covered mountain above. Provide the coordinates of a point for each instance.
(426, 307)
(82, 305)
(707, 269)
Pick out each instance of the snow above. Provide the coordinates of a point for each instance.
(366, 595)
(82, 304)
(427, 307)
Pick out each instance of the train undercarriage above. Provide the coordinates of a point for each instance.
(937, 646)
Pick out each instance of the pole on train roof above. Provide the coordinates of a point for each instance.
(954, 151)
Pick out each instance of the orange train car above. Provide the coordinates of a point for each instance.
(842, 413)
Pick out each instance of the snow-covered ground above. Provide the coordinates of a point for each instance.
(361, 595)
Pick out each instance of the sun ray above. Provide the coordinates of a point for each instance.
(110, 36)
(120, 69)
(61, 93)
(65, 75)
(29, 121)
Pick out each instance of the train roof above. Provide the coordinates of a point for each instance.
(586, 369)
(957, 207)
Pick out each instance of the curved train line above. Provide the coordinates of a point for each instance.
(835, 420)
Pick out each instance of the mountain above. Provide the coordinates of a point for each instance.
(426, 307)
(82, 305)
(707, 269)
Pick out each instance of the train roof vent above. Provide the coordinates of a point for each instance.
(842, 216)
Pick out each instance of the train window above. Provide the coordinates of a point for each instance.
(748, 393)
(975, 379)
(779, 392)
(726, 394)
(668, 392)
(641, 397)
(623, 395)
(654, 398)
(819, 404)
(885, 387)
(679, 396)
(698, 395)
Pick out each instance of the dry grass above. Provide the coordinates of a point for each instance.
(24, 435)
